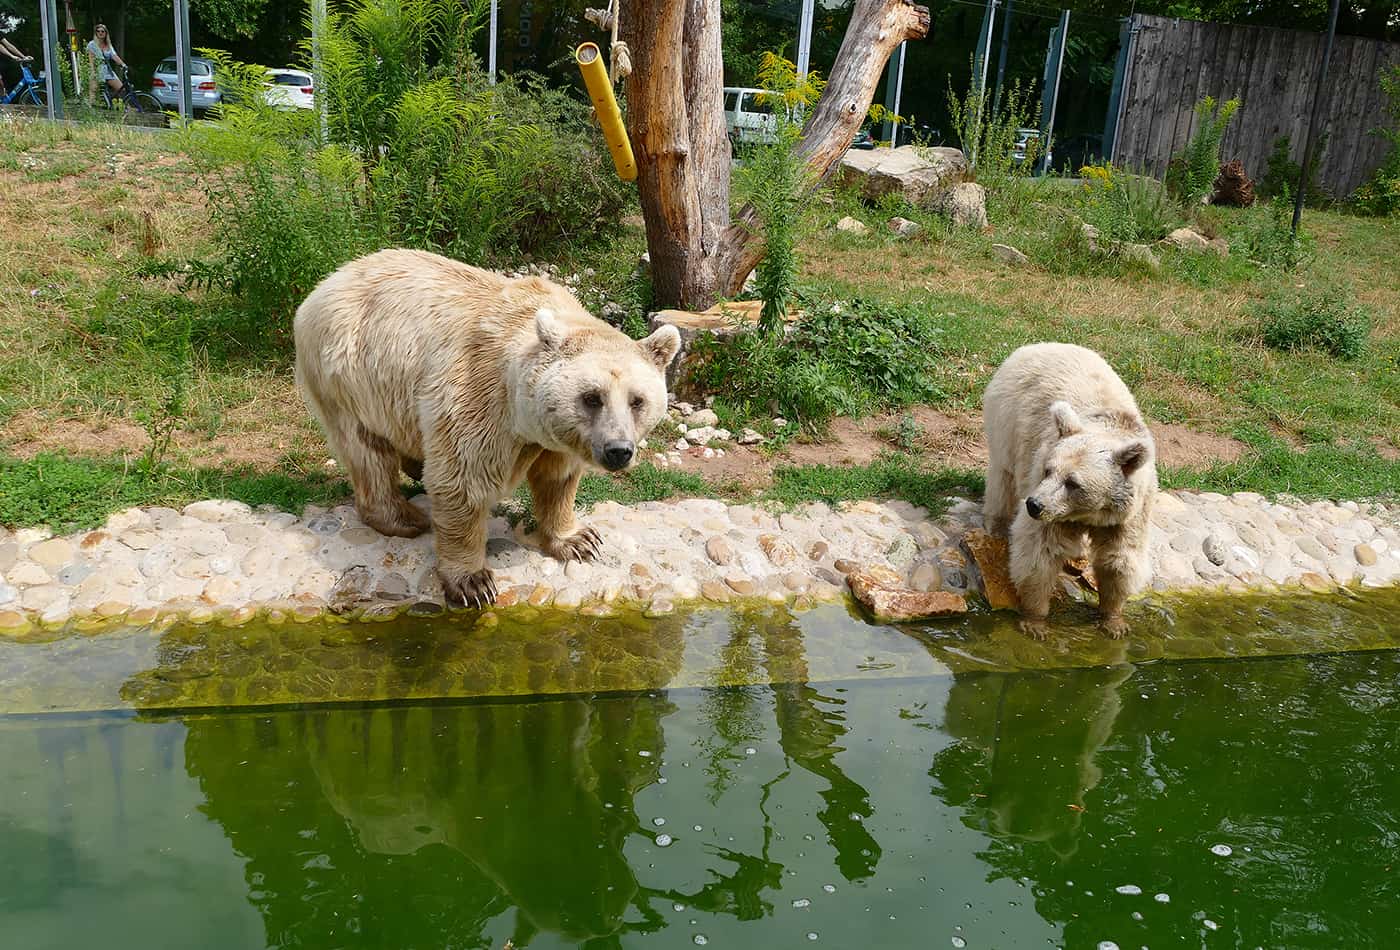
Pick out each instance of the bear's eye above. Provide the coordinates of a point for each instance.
(593, 400)
(637, 403)
(1071, 484)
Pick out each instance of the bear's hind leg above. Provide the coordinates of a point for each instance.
(999, 501)
(373, 464)
(554, 482)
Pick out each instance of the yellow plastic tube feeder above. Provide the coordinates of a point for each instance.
(595, 77)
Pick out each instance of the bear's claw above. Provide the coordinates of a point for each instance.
(1116, 627)
(584, 545)
(1035, 627)
(470, 590)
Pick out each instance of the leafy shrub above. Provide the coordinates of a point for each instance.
(988, 137)
(1323, 319)
(841, 359)
(1281, 172)
(1381, 194)
(420, 151)
(1191, 175)
(1124, 207)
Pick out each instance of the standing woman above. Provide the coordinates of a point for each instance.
(103, 55)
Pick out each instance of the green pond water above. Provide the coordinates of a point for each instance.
(1226, 777)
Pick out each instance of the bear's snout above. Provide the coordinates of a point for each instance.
(617, 455)
(1033, 507)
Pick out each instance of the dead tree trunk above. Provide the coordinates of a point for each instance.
(675, 117)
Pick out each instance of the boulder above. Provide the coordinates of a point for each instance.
(1142, 254)
(965, 204)
(903, 226)
(850, 225)
(918, 175)
(1187, 240)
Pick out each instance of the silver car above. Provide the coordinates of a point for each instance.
(204, 91)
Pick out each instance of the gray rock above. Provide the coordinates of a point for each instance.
(7, 593)
(1312, 548)
(926, 576)
(326, 524)
(915, 174)
(1187, 240)
(902, 551)
(965, 205)
(903, 226)
(1009, 254)
(1216, 546)
(1141, 254)
(701, 418)
(74, 574)
(955, 580)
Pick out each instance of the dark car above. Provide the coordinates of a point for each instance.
(863, 140)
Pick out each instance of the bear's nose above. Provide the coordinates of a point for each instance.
(616, 455)
(1034, 508)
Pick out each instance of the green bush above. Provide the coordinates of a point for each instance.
(1323, 319)
(1271, 242)
(1281, 172)
(988, 137)
(420, 151)
(844, 359)
(1191, 176)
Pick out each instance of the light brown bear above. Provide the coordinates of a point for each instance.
(1070, 463)
(472, 381)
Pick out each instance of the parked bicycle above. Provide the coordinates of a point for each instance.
(29, 91)
(128, 99)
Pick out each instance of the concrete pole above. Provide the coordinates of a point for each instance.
(182, 57)
(804, 40)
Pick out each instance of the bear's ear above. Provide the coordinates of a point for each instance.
(551, 331)
(1066, 419)
(1131, 457)
(661, 347)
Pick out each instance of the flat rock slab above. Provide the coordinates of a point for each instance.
(892, 603)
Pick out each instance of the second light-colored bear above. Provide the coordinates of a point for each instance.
(474, 382)
(1071, 466)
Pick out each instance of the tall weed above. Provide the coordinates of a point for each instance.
(1380, 195)
(1191, 176)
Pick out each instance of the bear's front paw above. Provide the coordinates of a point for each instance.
(583, 545)
(1035, 627)
(468, 590)
(1114, 625)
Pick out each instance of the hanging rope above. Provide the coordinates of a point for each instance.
(619, 56)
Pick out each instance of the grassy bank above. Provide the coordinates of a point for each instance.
(107, 343)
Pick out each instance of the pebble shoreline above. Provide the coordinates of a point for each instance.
(223, 560)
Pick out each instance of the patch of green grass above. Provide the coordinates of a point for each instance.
(889, 476)
(1336, 472)
(70, 494)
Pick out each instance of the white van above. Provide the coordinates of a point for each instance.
(749, 119)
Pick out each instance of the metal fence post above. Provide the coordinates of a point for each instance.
(1312, 121)
(1126, 34)
(182, 57)
(53, 84)
(491, 44)
(1050, 94)
(804, 40)
(894, 87)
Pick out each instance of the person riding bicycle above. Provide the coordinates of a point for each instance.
(103, 55)
(12, 52)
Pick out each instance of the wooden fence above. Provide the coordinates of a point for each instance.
(1171, 64)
